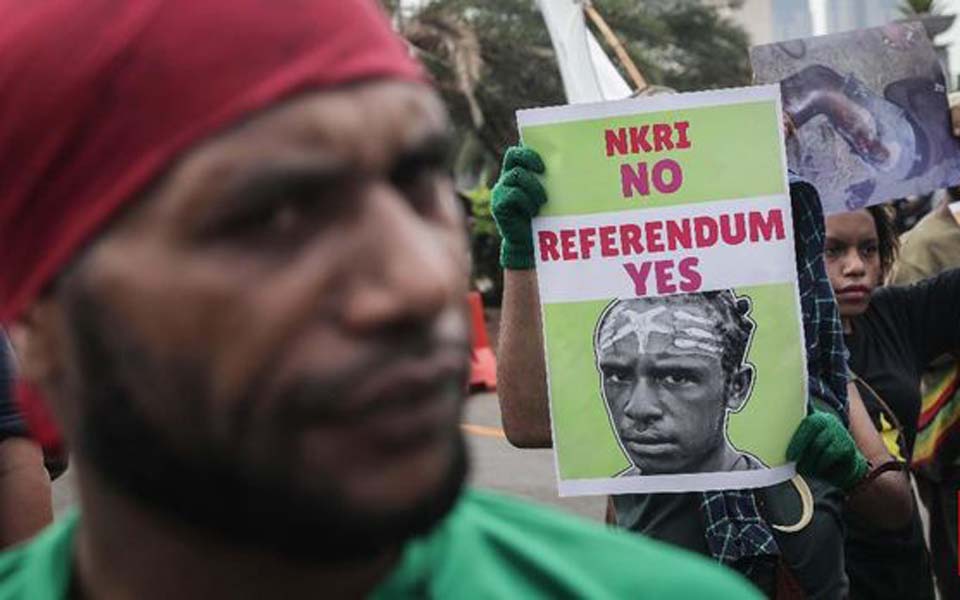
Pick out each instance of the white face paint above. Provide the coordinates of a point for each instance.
(687, 331)
(640, 324)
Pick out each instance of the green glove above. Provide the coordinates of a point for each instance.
(823, 448)
(517, 198)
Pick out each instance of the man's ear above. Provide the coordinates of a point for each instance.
(38, 339)
(741, 383)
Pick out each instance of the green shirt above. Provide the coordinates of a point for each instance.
(488, 547)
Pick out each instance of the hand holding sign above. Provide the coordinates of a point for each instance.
(517, 198)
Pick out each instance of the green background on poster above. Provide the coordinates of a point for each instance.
(582, 179)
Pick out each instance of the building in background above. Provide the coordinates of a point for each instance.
(844, 15)
(791, 19)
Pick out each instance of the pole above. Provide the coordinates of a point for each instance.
(638, 81)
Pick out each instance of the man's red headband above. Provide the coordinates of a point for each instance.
(100, 96)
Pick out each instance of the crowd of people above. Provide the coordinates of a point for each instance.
(232, 267)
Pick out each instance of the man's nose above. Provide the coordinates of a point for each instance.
(407, 269)
(643, 405)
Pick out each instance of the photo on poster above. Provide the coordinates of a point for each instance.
(869, 113)
(668, 288)
(672, 369)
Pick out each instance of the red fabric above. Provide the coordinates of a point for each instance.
(100, 96)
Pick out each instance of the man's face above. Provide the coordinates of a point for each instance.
(283, 317)
(664, 383)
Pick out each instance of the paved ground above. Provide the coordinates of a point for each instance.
(496, 465)
(530, 473)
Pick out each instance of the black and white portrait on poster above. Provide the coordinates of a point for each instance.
(868, 111)
(672, 369)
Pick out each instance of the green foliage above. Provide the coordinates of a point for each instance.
(484, 246)
(482, 217)
(911, 8)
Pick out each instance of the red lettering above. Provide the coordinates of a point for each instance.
(567, 244)
(691, 279)
(607, 247)
(681, 128)
(661, 137)
(630, 239)
(735, 236)
(654, 231)
(638, 139)
(769, 228)
(664, 273)
(634, 180)
(678, 234)
(639, 276)
(676, 176)
(616, 141)
(548, 246)
(705, 231)
(586, 241)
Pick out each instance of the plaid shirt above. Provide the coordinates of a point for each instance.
(822, 329)
(735, 532)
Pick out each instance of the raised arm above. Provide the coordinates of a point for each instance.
(521, 373)
(928, 315)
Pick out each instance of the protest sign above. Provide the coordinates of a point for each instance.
(671, 318)
(869, 108)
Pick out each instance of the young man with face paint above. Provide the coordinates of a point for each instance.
(673, 368)
(235, 266)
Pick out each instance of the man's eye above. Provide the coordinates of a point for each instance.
(677, 379)
(869, 250)
(283, 220)
(421, 188)
(618, 377)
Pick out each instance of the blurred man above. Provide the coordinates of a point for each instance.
(673, 368)
(239, 280)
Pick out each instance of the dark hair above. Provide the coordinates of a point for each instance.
(734, 323)
(888, 243)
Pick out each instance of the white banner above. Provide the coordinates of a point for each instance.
(588, 75)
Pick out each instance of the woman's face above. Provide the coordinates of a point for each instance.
(853, 260)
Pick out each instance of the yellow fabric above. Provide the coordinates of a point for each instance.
(889, 433)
